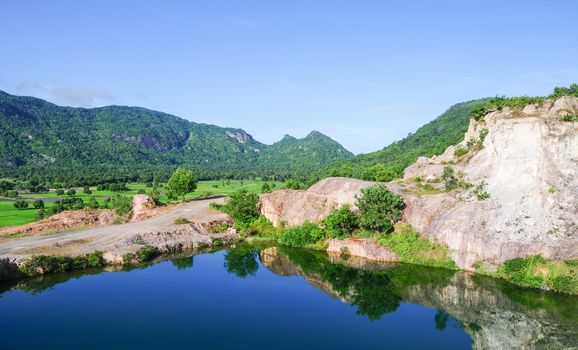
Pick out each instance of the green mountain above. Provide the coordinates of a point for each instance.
(431, 139)
(118, 142)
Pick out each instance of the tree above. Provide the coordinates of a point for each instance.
(379, 208)
(59, 192)
(266, 188)
(341, 221)
(242, 207)
(21, 205)
(71, 192)
(38, 204)
(181, 182)
(93, 203)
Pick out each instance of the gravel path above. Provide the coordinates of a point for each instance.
(119, 238)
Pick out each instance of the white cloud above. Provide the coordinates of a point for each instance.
(76, 96)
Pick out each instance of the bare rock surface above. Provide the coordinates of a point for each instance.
(529, 163)
(361, 247)
(296, 206)
(142, 207)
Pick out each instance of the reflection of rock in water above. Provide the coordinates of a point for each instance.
(496, 315)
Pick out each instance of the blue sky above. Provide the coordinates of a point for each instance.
(365, 73)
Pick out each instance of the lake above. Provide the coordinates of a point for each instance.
(267, 297)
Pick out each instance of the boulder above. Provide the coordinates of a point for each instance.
(361, 247)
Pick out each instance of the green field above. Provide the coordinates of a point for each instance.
(10, 216)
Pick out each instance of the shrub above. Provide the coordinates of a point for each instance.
(40, 214)
(379, 209)
(155, 194)
(299, 236)
(480, 193)
(449, 178)
(340, 222)
(181, 221)
(264, 228)
(21, 205)
(266, 188)
(569, 118)
(38, 204)
(242, 207)
(483, 133)
(71, 192)
(95, 259)
(147, 253)
(59, 192)
(122, 205)
(87, 190)
(460, 151)
(521, 271)
(45, 264)
(93, 203)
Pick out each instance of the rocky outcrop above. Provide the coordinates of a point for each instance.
(361, 247)
(142, 207)
(528, 162)
(293, 207)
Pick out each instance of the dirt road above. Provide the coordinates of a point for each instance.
(159, 231)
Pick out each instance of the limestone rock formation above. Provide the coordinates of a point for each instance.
(361, 247)
(296, 206)
(528, 162)
(142, 207)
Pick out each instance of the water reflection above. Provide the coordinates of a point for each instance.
(496, 315)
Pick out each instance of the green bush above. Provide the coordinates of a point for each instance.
(379, 208)
(450, 180)
(37, 265)
(242, 207)
(71, 192)
(460, 151)
(93, 203)
(569, 118)
(21, 205)
(147, 253)
(38, 204)
(181, 221)
(40, 214)
(122, 205)
(264, 228)
(520, 271)
(305, 234)
(340, 222)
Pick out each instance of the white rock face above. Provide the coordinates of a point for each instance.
(529, 161)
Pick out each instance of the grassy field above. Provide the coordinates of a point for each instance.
(10, 216)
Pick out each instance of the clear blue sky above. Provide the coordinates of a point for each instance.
(364, 72)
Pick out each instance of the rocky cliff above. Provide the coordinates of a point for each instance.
(525, 160)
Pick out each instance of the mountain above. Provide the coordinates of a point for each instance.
(431, 139)
(119, 142)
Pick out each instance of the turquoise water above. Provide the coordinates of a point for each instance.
(279, 298)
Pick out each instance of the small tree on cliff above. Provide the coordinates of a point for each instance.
(181, 182)
(379, 209)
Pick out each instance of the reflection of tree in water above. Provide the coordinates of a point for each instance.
(371, 291)
(242, 261)
(183, 263)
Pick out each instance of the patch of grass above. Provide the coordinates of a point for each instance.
(299, 236)
(540, 273)
(414, 249)
(181, 221)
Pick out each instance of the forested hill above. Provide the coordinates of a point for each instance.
(431, 139)
(118, 142)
